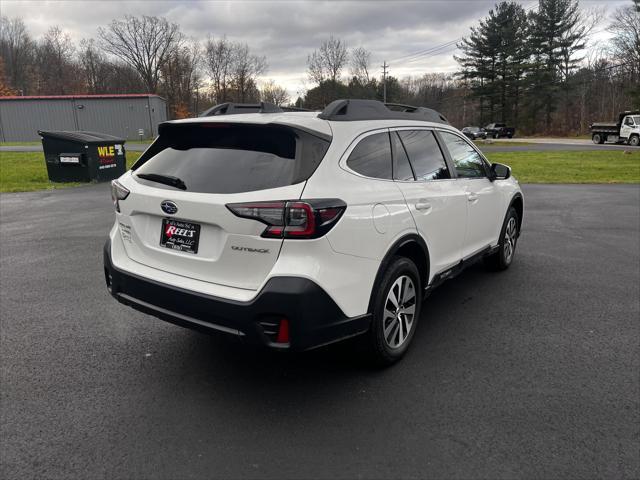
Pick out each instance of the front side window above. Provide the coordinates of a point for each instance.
(467, 162)
(424, 154)
(629, 121)
(372, 157)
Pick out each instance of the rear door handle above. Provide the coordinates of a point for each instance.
(423, 205)
(472, 197)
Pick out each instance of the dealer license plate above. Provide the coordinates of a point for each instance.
(180, 235)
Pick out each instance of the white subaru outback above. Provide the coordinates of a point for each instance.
(299, 229)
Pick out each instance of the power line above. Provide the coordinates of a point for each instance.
(437, 49)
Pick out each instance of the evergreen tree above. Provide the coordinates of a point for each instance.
(495, 59)
(558, 37)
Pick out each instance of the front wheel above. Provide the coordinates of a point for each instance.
(634, 141)
(396, 309)
(503, 257)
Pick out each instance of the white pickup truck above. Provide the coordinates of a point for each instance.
(627, 130)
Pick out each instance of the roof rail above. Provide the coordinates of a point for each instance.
(295, 109)
(352, 110)
(230, 108)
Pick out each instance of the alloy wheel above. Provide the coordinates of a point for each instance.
(510, 237)
(399, 311)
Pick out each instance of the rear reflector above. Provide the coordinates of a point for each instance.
(293, 219)
(283, 331)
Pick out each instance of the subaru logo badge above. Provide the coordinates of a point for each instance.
(169, 207)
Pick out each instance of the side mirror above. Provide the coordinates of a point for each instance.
(500, 171)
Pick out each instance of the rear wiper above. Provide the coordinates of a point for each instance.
(165, 179)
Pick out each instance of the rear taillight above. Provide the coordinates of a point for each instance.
(292, 219)
(118, 192)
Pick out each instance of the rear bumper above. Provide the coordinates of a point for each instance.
(314, 318)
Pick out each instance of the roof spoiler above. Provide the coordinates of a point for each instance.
(230, 108)
(352, 110)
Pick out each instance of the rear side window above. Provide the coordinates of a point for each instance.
(234, 158)
(467, 162)
(372, 157)
(424, 154)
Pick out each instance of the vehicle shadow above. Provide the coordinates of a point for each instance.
(209, 354)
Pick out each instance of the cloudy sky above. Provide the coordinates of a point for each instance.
(287, 31)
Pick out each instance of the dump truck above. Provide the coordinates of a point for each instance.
(625, 131)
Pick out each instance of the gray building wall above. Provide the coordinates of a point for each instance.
(21, 118)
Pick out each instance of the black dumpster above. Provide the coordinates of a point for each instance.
(83, 156)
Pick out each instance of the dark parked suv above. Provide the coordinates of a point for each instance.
(497, 130)
(474, 133)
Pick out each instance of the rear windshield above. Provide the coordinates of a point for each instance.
(232, 158)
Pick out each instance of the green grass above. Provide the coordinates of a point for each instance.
(26, 172)
(609, 166)
(19, 144)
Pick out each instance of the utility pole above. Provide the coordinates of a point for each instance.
(384, 81)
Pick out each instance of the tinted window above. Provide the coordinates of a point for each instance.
(233, 158)
(466, 160)
(372, 157)
(401, 167)
(424, 154)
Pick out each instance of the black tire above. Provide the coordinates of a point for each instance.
(510, 135)
(597, 139)
(634, 141)
(377, 348)
(503, 257)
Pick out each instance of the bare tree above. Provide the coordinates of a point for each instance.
(5, 88)
(245, 68)
(572, 43)
(57, 70)
(315, 68)
(274, 93)
(327, 62)
(360, 65)
(17, 50)
(179, 78)
(96, 68)
(142, 42)
(625, 44)
(218, 57)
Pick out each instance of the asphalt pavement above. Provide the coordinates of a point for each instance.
(528, 373)
(544, 144)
